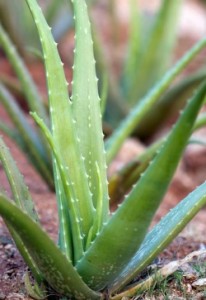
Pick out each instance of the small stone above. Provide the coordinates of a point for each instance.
(200, 284)
(15, 296)
(188, 288)
(200, 296)
(2, 296)
(176, 298)
(188, 272)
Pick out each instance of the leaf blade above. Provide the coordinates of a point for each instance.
(162, 234)
(127, 126)
(57, 270)
(32, 96)
(86, 107)
(64, 133)
(130, 222)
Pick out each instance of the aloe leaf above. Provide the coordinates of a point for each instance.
(129, 224)
(197, 141)
(161, 235)
(122, 181)
(52, 10)
(59, 15)
(31, 94)
(104, 92)
(128, 125)
(7, 22)
(23, 200)
(19, 189)
(169, 104)
(32, 141)
(25, 254)
(17, 138)
(33, 289)
(86, 107)
(201, 121)
(11, 85)
(134, 39)
(131, 172)
(157, 47)
(64, 133)
(55, 267)
(68, 214)
(10, 132)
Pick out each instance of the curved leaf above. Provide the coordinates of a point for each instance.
(54, 266)
(161, 235)
(32, 141)
(157, 46)
(86, 108)
(127, 228)
(32, 95)
(127, 126)
(20, 191)
(64, 133)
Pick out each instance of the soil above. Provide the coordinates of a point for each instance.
(190, 173)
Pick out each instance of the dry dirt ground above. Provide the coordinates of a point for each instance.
(191, 172)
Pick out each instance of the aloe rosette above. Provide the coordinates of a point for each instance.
(97, 253)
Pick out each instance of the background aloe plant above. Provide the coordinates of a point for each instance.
(34, 144)
(17, 21)
(96, 252)
(152, 38)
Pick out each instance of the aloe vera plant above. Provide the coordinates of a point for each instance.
(30, 139)
(98, 253)
(152, 38)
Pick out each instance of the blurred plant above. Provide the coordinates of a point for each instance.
(16, 20)
(29, 139)
(98, 254)
(150, 47)
(34, 144)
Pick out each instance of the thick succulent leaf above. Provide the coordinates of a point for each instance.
(19, 189)
(86, 107)
(54, 266)
(17, 138)
(31, 94)
(7, 21)
(134, 40)
(122, 181)
(59, 16)
(128, 125)
(161, 235)
(32, 141)
(68, 214)
(52, 10)
(10, 132)
(201, 121)
(169, 104)
(64, 133)
(157, 46)
(33, 289)
(124, 233)
(24, 201)
(12, 85)
(130, 173)
(21, 29)
(25, 254)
